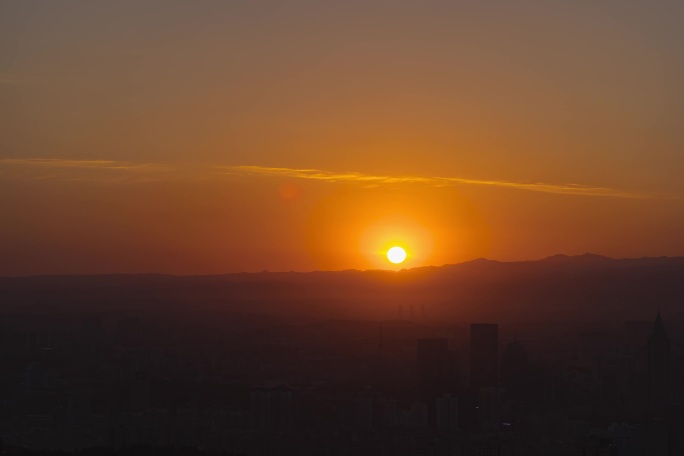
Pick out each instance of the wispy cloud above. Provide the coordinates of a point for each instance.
(68, 169)
(62, 163)
(355, 177)
(10, 79)
(123, 171)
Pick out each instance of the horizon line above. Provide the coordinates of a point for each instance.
(557, 255)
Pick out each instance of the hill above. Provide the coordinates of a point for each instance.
(558, 287)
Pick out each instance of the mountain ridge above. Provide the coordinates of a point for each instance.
(556, 258)
(559, 287)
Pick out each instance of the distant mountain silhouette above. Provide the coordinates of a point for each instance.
(587, 257)
(560, 286)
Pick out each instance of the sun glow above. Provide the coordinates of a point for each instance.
(396, 255)
(378, 238)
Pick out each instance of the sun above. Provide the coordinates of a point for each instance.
(396, 255)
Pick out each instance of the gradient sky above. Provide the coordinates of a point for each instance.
(225, 136)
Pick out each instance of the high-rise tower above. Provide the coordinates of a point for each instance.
(515, 366)
(484, 350)
(658, 367)
(434, 371)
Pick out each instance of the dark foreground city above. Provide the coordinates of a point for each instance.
(118, 365)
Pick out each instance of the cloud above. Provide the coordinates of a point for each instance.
(355, 177)
(122, 171)
(93, 170)
(62, 163)
(9, 79)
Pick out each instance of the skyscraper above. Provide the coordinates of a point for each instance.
(515, 367)
(484, 348)
(438, 378)
(658, 367)
(272, 408)
(433, 366)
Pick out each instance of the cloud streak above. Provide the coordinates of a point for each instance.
(8, 79)
(91, 164)
(80, 170)
(371, 179)
(123, 171)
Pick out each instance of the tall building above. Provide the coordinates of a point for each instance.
(272, 409)
(658, 367)
(437, 367)
(484, 350)
(139, 391)
(515, 366)
(446, 413)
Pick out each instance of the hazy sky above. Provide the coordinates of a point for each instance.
(207, 137)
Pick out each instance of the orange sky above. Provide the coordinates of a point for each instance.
(214, 137)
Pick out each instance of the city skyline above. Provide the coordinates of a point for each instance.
(360, 227)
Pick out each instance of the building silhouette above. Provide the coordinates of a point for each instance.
(446, 413)
(437, 367)
(515, 367)
(272, 409)
(484, 349)
(658, 367)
